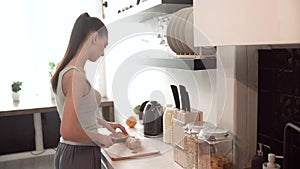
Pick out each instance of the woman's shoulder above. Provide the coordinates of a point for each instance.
(72, 67)
(72, 77)
(74, 74)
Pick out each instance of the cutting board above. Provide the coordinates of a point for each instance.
(120, 151)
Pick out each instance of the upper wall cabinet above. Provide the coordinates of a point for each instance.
(246, 22)
(128, 9)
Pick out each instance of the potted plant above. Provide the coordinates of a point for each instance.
(51, 68)
(16, 87)
(51, 71)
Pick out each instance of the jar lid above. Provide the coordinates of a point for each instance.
(214, 133)
(196, 127)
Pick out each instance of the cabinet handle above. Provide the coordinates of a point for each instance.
(179, 146)
(105, 4)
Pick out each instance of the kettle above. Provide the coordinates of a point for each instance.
(153, 119)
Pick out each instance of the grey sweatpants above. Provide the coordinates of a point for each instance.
(77, 157)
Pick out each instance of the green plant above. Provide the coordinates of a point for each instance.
(136, 109)
(16, 86)
(51, 68)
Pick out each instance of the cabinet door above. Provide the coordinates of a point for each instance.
(51, 128)
(17, 134)
(236, 22)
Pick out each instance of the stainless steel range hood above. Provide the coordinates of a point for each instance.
(147, 9)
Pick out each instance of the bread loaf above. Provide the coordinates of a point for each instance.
(133, 142)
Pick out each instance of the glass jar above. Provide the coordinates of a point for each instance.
(215, 150)
(191, 143)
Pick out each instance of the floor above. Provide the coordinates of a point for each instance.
(43, 162)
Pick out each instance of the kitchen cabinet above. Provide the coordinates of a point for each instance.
(17, 134)
(21, 124)
(29, 130)
(50, 128)
(146, 9)
(31, 127)
(235, 22)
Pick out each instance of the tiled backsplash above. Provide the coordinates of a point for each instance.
(278, 98)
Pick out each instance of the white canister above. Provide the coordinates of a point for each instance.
(168, 124)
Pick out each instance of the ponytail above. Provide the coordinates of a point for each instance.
(82, 27)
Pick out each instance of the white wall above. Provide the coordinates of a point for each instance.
(129, 81)
(237, 98)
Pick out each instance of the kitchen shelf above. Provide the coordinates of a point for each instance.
(149, 9)
(184, 63)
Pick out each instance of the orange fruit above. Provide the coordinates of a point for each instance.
(131, 121)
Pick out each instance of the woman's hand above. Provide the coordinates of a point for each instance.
(116, 125)
(112, 126)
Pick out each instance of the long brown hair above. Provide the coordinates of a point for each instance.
(83, 26)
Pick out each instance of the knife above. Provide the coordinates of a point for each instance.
(176, 96)
(183, 97)
(188, 104)
(119, 140)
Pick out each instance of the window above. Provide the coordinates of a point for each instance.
(34, 32)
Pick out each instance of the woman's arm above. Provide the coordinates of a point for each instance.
(116, 125)
(112, 126)
(106, 125)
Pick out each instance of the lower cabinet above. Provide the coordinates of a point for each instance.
(17, 134)
(22, 133)
(50, 127)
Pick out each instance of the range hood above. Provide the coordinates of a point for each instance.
(147, 9)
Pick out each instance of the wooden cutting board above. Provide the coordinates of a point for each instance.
(120, 151)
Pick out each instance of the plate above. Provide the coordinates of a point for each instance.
(189, 28)
(182, 32)
(173, 34)
(169, 36)
(178, 33)
(189, 33)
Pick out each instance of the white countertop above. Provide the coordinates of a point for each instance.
(163, 160)
(30, 104)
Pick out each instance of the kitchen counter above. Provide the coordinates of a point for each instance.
(37, 114)
(44, 103)
(162, 160)
(27, 105)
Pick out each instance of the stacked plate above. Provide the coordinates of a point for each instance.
(180, 33)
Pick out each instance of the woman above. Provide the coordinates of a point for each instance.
(77, 101)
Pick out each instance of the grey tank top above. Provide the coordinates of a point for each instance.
(87, 111)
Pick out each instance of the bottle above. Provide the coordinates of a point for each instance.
(168, 124)
(258, 159)
(271, 162)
